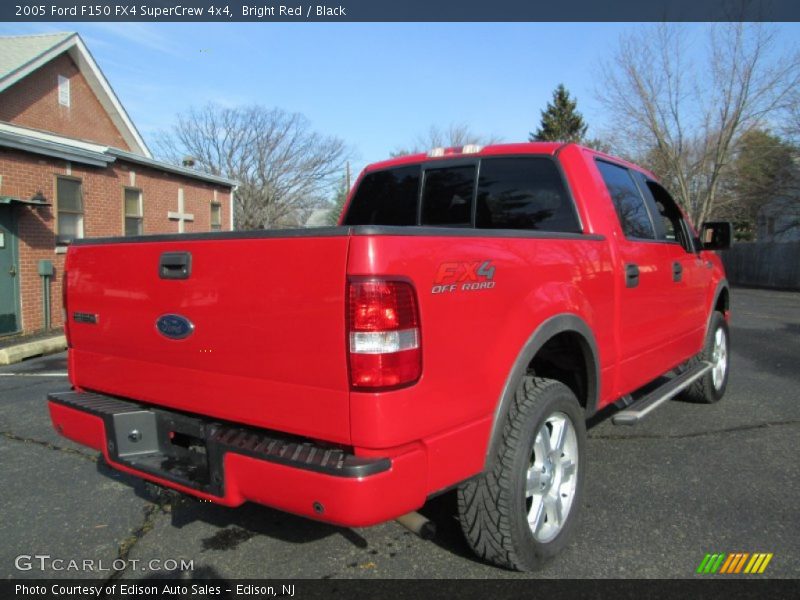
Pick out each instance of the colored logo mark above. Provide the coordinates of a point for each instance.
(734, 564)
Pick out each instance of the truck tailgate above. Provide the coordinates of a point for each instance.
(268, 343)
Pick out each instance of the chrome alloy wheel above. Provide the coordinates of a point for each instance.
(552, 477)
(719, 358)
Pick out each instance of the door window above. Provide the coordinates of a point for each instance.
(628, 201)
(673, 226)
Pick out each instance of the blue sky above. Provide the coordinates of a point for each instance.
(376, 85)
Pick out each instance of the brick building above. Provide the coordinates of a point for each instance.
(72, 164)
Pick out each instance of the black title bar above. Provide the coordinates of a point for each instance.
(399, 10)
(708, 588)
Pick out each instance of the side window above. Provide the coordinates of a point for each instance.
(628, 201)
(447, 196)
(69, 201)
(133, 211)
(523, 193)
(216, 216)
(674, 229)
(386, 198)
(63, 91)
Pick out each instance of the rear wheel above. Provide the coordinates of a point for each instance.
(523, 510)
(711, 387)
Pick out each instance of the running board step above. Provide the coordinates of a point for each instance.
(639, 409)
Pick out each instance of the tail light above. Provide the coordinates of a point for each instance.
(384, 339)
(65, 311)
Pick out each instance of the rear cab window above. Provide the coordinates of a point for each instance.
(386, 198)
(522, 193)
(447, 196)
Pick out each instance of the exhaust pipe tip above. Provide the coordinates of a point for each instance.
(418, 524)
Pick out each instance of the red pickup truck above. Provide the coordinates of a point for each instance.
(471, 310)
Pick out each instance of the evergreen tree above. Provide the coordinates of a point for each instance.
(560, 121)
(763, 171)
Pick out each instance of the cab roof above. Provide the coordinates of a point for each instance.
(540, 148)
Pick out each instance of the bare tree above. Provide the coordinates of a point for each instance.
(284, 169)
(455, 134)
(685, 118)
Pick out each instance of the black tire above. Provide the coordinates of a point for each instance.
(493, 507)
(703, 390)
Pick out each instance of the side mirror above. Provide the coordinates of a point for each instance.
(716, 235)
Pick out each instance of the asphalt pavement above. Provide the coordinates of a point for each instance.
(689, 480)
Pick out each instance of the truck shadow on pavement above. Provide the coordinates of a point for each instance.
(44, 364)
(235, 525)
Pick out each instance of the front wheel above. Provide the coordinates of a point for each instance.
(523, 510)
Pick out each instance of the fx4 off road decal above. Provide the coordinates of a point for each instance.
(466, 276)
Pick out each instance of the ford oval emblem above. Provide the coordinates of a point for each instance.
(174, 327)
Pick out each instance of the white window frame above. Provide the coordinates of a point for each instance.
(126, 216)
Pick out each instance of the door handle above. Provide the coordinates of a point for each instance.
(631, 275)
(677, 271)
(12, 270)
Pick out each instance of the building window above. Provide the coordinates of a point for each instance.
(216, 217)
(63, 91)
(133, 211)
(69, 200)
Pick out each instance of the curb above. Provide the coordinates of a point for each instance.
(14, 354)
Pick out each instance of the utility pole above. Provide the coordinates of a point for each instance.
(347, 177)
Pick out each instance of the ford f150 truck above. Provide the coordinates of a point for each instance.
(471, 310)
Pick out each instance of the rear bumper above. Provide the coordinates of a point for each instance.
(230, 465)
